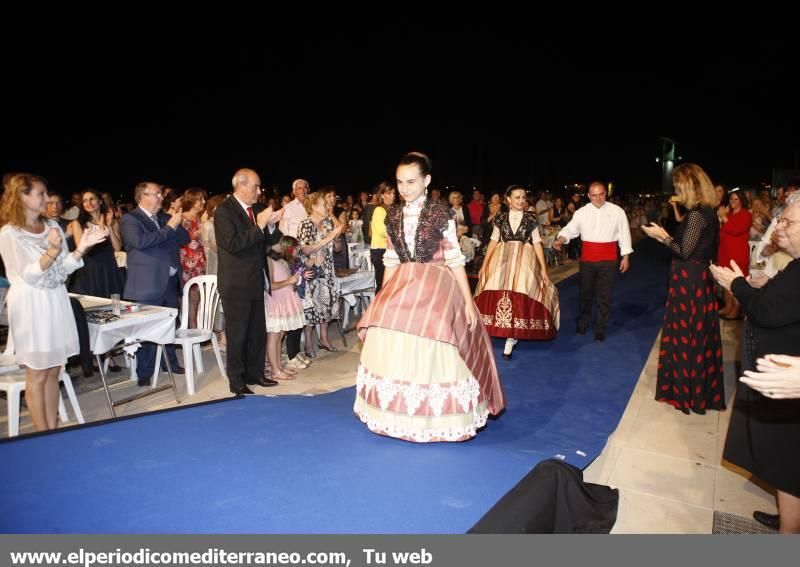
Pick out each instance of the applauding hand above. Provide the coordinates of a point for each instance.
(91, 236)
(54, 239)
(725, 276)
(778, 376)
(656, 231)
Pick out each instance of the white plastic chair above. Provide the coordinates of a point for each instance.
(360, 259)
(362, 297)
(12, 382)
(190, 339)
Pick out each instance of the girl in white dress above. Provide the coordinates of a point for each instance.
(355, 233)
(37, 261)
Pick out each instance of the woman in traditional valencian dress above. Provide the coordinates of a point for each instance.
(427, 372)
(514, 295)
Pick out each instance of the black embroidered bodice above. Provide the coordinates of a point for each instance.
(524, 231)
(430, 231)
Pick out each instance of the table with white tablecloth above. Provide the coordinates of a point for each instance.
(358, 287)
(148, 324)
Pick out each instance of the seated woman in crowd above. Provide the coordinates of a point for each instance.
(516, 298)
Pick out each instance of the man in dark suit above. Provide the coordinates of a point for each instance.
(151, 239)
(240, 224)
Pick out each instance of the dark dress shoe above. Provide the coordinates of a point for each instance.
(266, 382)
(328, 348)
(770, 520)
(113, 366)
(143, 381)
(176, 368)
(580, 331)
(241, 391)
(599, 337)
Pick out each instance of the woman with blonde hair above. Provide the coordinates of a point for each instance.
(316, 235)
(40, 317)
(690, 358)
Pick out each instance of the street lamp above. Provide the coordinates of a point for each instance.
(667, 160)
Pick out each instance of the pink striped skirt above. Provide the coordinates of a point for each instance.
(424, 376)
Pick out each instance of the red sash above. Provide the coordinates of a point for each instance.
(598, 251)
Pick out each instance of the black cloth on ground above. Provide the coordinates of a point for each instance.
(552, 499)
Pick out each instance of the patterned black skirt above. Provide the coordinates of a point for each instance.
(690, 357)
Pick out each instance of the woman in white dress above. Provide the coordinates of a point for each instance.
(37, 262)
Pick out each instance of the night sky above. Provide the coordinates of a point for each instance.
(490, 107)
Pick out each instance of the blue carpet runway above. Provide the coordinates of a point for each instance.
(298, 464)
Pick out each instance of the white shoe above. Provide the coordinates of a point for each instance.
(284, 359)
(296, 364)
(303, 358)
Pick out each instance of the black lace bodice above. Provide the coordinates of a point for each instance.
(698, 236)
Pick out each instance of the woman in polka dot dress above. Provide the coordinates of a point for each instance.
(690, 354)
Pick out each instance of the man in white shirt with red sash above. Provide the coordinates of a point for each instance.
(604, 229)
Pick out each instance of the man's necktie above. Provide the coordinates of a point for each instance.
(173, 269)
(250, 213)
